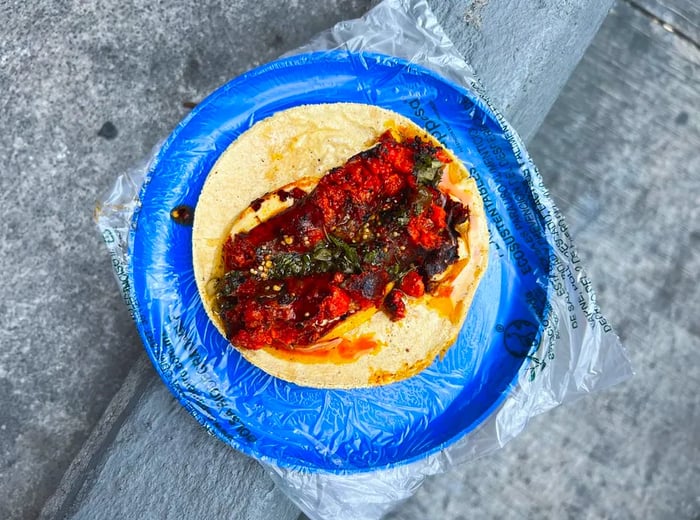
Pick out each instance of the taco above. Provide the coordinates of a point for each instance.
(339, 246)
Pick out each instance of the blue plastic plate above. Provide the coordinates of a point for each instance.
(340, 430)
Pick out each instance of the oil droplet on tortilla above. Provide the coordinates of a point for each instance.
(349, 350)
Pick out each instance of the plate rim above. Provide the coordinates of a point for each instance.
(232, 441)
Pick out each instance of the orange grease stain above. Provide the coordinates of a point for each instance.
(347, 351)
(442, 304)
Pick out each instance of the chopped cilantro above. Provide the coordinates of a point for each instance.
(428, 170)
(332, 255)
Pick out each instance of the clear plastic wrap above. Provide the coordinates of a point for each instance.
(534, 338)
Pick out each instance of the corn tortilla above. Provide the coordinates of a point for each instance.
(296, 147)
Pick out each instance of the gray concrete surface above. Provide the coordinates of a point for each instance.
(620, 153)
(88, 484)
(68, 343)
(86, 89)
(682, 17)
(523, 52)
(67, 69)
(191, 476)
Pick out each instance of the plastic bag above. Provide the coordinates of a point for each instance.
(357, 453)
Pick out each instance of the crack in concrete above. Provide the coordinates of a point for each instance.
(663, 23)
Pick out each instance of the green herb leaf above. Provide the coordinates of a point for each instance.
(323, 254)
(352, 259)
(396, 271)
(428, 170)
(334, 254)
(286, 265)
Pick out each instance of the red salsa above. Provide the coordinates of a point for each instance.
(372, 233)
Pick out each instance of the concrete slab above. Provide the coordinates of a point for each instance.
(619, 152)
(190, 475)
(89, 486)
(523, 51)
(107, 80)
(86, 90)
(681, 17)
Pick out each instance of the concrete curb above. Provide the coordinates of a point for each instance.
(77, 479)
(524, 67)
